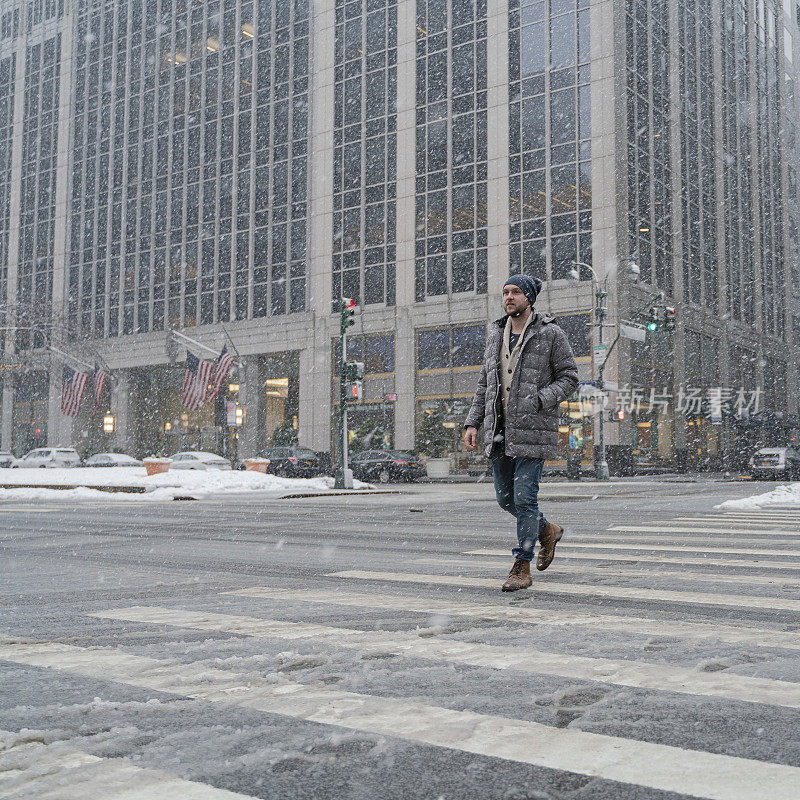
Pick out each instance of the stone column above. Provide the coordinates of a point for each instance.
(609, 159)
(251, 396)
(405, 381)
(6, 421)
(406, 223)
(316, 404)
(321, 156)
(406, 151)
(121, 409)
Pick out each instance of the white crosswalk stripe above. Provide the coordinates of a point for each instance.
(618, 592)
(700, 537)
(757, 637)
(658, 677)
(669, 527)
(653, 559)
(782, 522)
(558, 568)
(675, 548)
(38, 771)
(671, 769)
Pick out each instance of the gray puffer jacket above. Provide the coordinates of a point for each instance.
(545, 375)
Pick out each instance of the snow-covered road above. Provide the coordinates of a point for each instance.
(359, 647)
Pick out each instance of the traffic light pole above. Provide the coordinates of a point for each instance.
(602, 473)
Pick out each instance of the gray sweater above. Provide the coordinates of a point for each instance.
(544, 376)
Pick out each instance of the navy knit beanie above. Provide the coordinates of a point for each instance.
(530, 286)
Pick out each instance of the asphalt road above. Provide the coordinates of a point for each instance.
(360, 647)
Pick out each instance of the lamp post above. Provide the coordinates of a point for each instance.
(599, 313)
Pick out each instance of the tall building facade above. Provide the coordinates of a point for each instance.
(228, 169)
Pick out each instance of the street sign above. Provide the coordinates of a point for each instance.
(600, 354)
(632, 332)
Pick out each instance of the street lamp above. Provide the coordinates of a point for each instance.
(599, 311)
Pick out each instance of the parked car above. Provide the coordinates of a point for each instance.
(6, 459)
(385, 466)
(196, 459)
(111, 460)
(291, 462)
(49, 457)
(775, 463)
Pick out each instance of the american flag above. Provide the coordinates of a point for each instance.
(73, 384)
(195, 381)
(100, 376)
(221, 368)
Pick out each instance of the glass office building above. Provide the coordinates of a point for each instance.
(230, 168)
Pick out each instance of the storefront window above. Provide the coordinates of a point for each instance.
(31, 394)
(282, 398)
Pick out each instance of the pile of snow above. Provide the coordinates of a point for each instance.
(788, 495)
(196, 484)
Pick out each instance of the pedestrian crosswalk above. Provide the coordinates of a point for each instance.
(62, 772)
(753, 604)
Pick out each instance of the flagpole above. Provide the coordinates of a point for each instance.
(68, 356)
(78, 361)
(202, 346)
(238, 363)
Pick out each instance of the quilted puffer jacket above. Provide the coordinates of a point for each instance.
(545, 375)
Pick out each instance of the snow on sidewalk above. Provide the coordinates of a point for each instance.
(36, 484)
(788, 495)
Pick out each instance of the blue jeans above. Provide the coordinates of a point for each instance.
(516, 484)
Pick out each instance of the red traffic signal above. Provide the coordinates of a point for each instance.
(618, 416)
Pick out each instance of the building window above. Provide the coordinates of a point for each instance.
(365, 151)
(577, 328)
(190, 149)
(38, 179)
(443, 348)
(451, 190)
(650, 220)
(549, 128)
(376, 352)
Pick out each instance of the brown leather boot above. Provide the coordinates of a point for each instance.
(548, 539)
(519, 577)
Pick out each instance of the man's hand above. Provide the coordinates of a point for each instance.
(471, 437)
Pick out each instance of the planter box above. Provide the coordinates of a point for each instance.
(155, 466)
(437, 467)
(256, 464)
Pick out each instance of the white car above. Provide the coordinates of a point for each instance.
(111, 460)
(49, 457)
(196, 459)
(775, 463)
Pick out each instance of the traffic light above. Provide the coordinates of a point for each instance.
(354, 371)
(353, 393)
(618, 415)
(653, 321)
(347, 312)
(669, 318)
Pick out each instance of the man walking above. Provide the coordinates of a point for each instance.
(528, 369)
